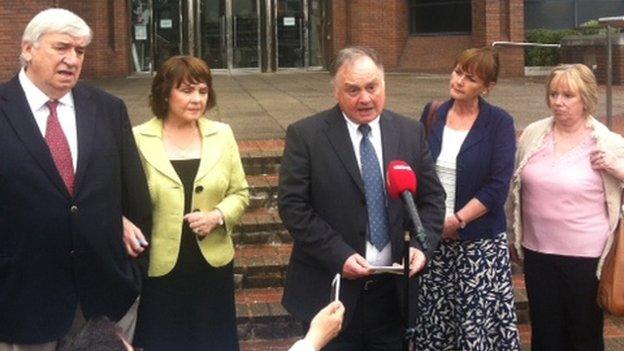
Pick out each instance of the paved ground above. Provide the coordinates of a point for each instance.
(261, 106)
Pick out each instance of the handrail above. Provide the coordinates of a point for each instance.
(515, 43)
(609, 22)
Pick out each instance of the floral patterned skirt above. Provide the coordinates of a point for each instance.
(466, 299)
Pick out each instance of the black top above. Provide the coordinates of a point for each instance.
(192, 307)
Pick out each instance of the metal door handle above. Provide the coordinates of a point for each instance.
(235, 30)
(222, 28)
(300, 33)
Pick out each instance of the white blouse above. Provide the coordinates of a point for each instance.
(446, 164)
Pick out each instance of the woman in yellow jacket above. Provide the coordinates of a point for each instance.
(199, 192)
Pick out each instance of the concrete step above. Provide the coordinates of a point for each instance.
(271, 237)
(268, 345)
(614, 338)
(521, 299)
(261, 226)
(262, 190)
(264, 266)
(262, 319)
(261, 156)
(260, 316)
(261, 266)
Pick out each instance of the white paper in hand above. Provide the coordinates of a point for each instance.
(387, 269)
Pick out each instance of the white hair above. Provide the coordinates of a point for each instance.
(55, 20)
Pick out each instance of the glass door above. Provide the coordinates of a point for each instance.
(229, 33)
(290, 33)
(316, 24)
(213, 33)
(245, 34)
(140, 34)
(167, 30)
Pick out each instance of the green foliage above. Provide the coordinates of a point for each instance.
(544, 56)
(550, 56)
(591, 27)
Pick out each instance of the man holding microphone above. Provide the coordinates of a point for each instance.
(333, 201)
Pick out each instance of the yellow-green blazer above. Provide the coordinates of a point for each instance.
(220, 183)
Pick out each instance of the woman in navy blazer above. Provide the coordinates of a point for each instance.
(466, 301)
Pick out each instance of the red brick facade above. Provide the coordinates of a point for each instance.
(591, 51)
(108, 54)
(382, 24)
(14, 15)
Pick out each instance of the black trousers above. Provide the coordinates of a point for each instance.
(562, 301)
(377, 324)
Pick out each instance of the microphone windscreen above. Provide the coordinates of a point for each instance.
(400, 178)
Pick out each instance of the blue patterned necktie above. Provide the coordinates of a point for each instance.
(375, 195)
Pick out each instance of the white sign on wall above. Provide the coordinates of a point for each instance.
(289, 21)
(166, 23)
(140, 32)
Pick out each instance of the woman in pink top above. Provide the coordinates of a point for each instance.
(566, 202)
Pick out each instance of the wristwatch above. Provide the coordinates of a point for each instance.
(220, 217)
(462, 224)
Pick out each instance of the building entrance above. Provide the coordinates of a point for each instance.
(230, 34)
(291, 45)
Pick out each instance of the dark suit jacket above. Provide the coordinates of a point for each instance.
(57, 250)
(322, 204)
(485, 164)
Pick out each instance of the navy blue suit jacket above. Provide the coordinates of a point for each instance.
(58, 250)
(485, 164)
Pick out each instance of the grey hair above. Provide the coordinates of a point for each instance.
(350, 54)
(55, 20)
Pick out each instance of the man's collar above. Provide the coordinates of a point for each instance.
(374, 123)
(37, 98)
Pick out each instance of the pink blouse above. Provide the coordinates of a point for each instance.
(564, 209)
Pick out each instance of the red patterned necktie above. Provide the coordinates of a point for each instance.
(59, 147)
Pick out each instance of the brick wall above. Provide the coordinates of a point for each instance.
(594, 55)
(618, 64)
(384, 25)
(500, 21)
(14, 16)
(339, 37)
(380, 24)
(107, 56)
(426, 54)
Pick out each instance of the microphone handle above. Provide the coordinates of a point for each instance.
(419, 231)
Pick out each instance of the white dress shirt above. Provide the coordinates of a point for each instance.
(65, 111)
(373, 256)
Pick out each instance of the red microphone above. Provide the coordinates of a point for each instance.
(402, 184)
(400, 178)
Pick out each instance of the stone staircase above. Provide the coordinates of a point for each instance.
(262, 252)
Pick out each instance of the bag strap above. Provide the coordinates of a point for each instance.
(432, 116)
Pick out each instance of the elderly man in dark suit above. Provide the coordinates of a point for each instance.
(69, 170)
(332, 200)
